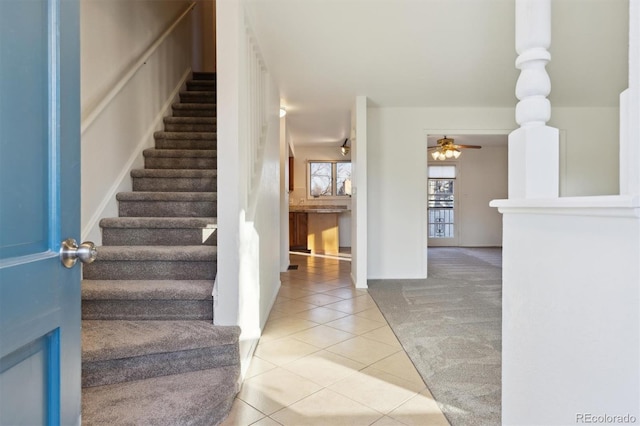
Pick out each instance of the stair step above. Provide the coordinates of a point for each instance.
(185, 109)
(190, 124)
(167, 204)
(186, 140)
(153, 263)
(165, 231)
(118, 351)
(201, 75)
(179, 158)
(174, 180)
(196, 97)
(147, 300)
(194, 398)
(202, 85)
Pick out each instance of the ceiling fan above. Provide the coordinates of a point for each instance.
(447, 149)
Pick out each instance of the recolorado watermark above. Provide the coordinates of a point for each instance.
(589, 418)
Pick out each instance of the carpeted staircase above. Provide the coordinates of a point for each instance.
(150, 352)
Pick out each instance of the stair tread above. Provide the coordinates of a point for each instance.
(194, 398)
(166, 196)
(193, 105)
(173, 173)
(147, 289)
(181, 153)
(158, 222)
(191, 120)
(159, 253)
(116, 339)
(185, 135)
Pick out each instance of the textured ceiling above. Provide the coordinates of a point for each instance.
(428, 53)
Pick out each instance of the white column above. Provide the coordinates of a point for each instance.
(533, 148)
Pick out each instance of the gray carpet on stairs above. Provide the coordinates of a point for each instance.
(450, 326)
(150, 352)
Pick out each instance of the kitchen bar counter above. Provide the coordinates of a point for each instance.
(322, 230)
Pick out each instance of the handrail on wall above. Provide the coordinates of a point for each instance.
(88, 121)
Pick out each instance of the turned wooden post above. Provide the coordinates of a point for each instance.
(533, 147)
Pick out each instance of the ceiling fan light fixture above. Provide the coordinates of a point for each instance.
(283, 112)
(456, 154)
(435, 155)
(344, 149)
(448, 153)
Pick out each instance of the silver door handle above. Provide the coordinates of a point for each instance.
(70, 252)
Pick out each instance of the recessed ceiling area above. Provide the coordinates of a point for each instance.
(427, 53)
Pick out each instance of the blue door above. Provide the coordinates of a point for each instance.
(39, 207)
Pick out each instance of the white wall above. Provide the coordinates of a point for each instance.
(571, 314)
(397, 172)
(482, 178)
(248, 235)
(589, 150)
(114, 34)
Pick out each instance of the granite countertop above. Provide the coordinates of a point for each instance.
(318, 209)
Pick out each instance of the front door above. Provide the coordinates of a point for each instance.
(39, 207)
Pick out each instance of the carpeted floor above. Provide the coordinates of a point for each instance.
(450, 325)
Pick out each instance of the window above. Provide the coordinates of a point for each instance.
(329, 178)
(441, 201)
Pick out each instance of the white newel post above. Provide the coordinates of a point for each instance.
(534, 147)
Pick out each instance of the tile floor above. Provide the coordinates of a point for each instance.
(328, 357)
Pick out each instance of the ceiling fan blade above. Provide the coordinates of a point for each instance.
(469, 146)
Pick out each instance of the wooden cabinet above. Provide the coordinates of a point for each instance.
(298, 229)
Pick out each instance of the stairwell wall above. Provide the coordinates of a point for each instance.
(114, 34)
(248, 223)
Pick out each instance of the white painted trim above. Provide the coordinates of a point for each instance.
(91, 116)
(142, 145)
(606, 205)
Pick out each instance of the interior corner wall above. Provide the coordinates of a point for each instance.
(114, 35)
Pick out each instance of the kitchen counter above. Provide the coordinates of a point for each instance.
(317, 209)
(321, 226)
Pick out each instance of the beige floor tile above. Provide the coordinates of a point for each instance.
(321, 315)
(376, 389)
(420, 410)
(283, 351)
(326, 408)
(400, 365)
(388, 421)
(363, 350)
(293, 293)
(355, 325)
(242, 414)
(258, 366)
(319, 299)
(322, 336)
(372, 314)
(355, 305)
(284, 326)
(324, 367)
(290, 306)
(276, 389)
(267, 421)
(347, 292)
(273, 315)
(384, 335)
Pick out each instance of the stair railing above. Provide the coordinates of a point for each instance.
(88, 120)
(256, 121)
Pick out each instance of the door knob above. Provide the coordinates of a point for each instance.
(70, 252)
